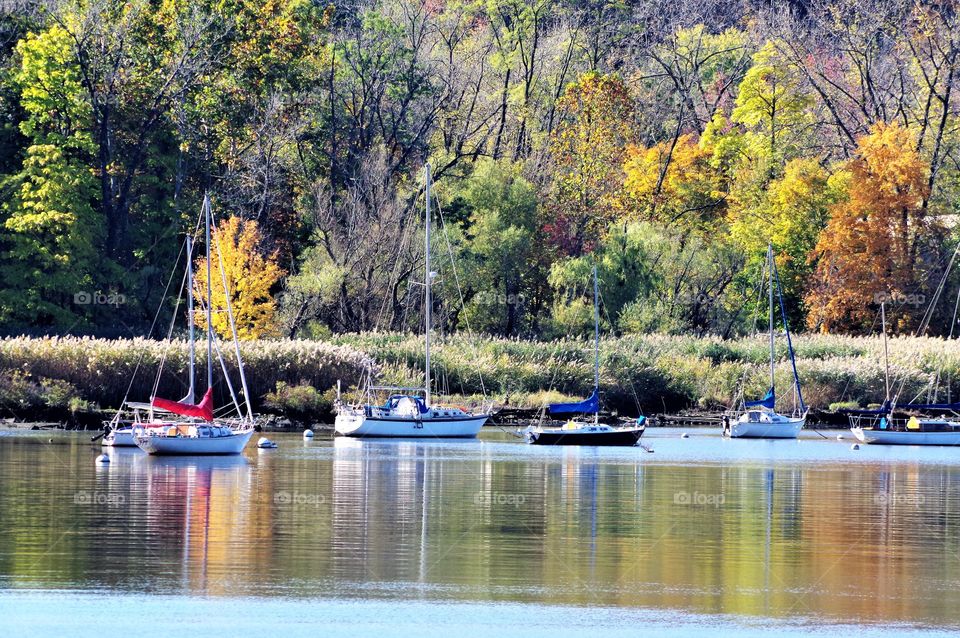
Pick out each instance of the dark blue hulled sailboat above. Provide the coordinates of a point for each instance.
(583, 432)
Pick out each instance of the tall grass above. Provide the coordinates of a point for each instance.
(657, 372)
(101, 370)
(652, 372)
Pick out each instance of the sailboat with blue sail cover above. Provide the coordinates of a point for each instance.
(760, 418)
(584, 432)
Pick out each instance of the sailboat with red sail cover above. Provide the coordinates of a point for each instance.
(184, 427)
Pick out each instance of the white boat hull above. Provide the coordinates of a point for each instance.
(399, 427)
(185, 445)
(895, 437)
(121, 438)
(784, 428)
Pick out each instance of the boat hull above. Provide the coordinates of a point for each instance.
(186, 446)
(618, 436)
(894, 437)
(406, 428)
(121, 438)
(786, 429)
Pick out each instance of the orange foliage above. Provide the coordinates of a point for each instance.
(872, 246)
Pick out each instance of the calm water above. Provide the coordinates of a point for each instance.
(704, 536)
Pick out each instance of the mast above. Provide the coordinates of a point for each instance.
(772, 345)
(596, 343)
(193, 346)
(886, 360)
(206, 208)
(426, 287)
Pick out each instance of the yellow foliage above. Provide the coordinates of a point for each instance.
(250, 276)
(670, 180)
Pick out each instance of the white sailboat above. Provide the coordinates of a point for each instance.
(583, 432)
(760, 418)
(879, 426)
(407, 414)
(199, 433)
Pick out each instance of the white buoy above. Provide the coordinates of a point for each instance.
(103, 459)
(308, 434)
(839, 437)
(265, 444)
(855, 446)
(684, 436)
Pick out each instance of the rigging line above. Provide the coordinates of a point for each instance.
(740, 396)
(153, 324)
(176, 308)
(633, 389)
(456, 278)
(404, 241)
(925, 322)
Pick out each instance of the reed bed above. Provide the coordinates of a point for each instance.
(652, 373)
(666, 373)
(102, 372)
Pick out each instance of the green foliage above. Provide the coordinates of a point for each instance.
(301, 401)
(51, 232)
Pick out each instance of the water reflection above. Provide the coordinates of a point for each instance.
(489, 521)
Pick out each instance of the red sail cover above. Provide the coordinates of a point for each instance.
(204, 409)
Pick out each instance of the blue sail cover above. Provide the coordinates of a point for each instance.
(589, 405)
(767, 401)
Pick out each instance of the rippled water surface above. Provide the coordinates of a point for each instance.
(702, 536)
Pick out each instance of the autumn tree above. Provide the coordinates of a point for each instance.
(878, 242)
(674, 182)
(250, 277)
(588, 150)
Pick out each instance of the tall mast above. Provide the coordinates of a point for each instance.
(206, 208)
(886, 360)
(193, 346)
(772, 345)
(426, 286)
(596, 342)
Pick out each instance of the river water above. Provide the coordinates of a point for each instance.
(703, 536)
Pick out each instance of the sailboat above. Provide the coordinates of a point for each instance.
(879, 426)
(760, 418)
(199, 433)
(410, 412)
(584, 432)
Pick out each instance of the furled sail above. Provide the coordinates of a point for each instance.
(589, 405)
(768, 401)
(203, 410)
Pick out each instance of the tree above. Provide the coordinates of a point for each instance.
(588, 150)
(51, 233)
(878, 241)
(503, 252)
(251, 275)
(794, 212)
(674, 182)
